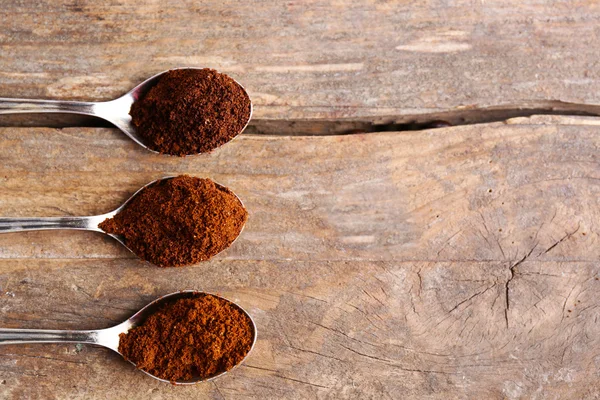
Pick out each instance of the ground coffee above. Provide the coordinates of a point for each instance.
(179, 221)
(193, 337)
(191, 111)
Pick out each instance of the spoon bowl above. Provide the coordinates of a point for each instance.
(109, 337)
(90, 223)
(114, 111)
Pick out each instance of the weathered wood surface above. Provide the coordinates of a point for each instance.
(452, 263)
(308, 59)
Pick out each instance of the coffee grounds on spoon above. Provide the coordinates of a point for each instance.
(179, 221)
(191, 111)
(196, 337)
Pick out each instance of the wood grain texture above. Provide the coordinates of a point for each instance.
(314, 58)
(451, 263)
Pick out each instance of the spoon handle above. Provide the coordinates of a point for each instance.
(37, 224)
(21, 336)
(25, 106)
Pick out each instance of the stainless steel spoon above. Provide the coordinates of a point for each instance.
(114, 111)
(109, 337)
(8, 224)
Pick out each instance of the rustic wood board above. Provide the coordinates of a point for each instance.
(311, 58)
(451, 263)
(454, 263)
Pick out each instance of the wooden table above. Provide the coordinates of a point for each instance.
(459, 262)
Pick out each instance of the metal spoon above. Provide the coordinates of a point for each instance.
(90, 223)
(109, 337)
(114, 111)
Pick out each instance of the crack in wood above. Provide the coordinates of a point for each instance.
(512, 270)
(323, 127)
(218, 390)
(420, 121)
(470, 298)
(567, 236)
(394, 364)
(316, 353)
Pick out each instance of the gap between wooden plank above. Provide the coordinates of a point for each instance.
(420, 121)
(467, 115)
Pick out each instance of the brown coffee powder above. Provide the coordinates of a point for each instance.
(191, 111)
(179, 221)
(200, 336)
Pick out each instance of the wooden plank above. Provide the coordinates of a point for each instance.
(327, 329)
(375, 265)
(310, 59)
(496, 190)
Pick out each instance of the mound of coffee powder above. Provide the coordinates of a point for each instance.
(193, 337)
(191, 111)
(179, 221)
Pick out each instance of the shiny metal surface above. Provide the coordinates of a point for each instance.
(8, 224)
(114, 111)
(109, 337)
